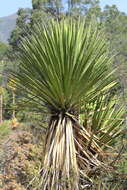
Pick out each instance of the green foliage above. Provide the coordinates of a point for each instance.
(37, 4)
(62, 64)
(3, 50)
(59, 84)
(19, 31)
(4, 130)
(53, 7)
(43, 10)
(7, 104)
(104, 119)
(73, 59)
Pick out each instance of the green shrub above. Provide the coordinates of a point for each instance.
(4, 129)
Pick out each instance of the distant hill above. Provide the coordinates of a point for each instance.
(7, 24)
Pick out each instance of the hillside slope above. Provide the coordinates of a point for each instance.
(7, 24)
(21, 155)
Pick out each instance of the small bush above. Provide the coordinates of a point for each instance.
(4, 130)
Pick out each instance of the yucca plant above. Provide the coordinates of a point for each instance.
(61, 65)
(104, 118)
(101, 186)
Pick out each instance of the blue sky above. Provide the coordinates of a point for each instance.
(121, 4)
(8, 7)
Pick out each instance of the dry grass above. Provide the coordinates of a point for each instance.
(70, 155)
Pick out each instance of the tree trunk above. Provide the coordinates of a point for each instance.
(1, 108)
(13, 101)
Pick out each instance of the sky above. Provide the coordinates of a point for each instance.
(8, 7)
(121, 4)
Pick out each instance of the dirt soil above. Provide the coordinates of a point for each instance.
(21, 157)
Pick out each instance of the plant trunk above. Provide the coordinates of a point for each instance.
(60, 164)
(1, 108)
(68, 156)
(13, 97)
